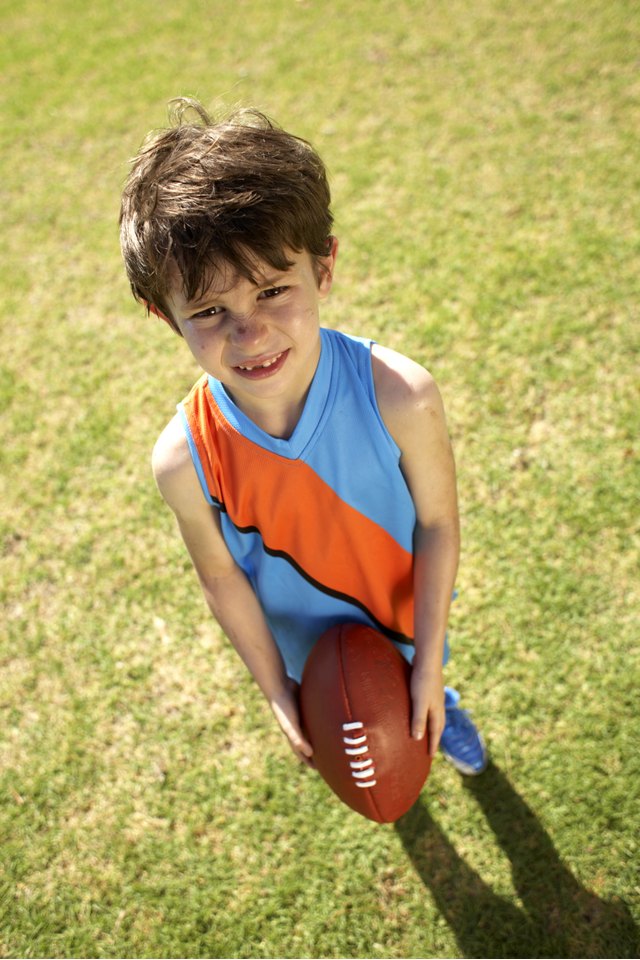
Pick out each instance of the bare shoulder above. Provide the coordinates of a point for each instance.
(411, 408)
(173, 467)
(198, 521)
(406, 393)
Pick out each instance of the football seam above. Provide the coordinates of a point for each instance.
(363, 771)
(345, 697)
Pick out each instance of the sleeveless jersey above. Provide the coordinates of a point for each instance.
(321, 523)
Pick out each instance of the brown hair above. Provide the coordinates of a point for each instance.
(206, 193)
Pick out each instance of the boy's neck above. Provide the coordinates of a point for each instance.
(278, 419)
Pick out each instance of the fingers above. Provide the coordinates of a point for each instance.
(427, 716)
(418, 725)
(300, 746)
(420, 700)
(431, 728)
(435, 732)
(303, 758)
(288, 717)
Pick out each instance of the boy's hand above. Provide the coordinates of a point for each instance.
(285, 709)
(427, 698)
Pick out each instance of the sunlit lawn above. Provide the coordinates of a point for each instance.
(485, 170)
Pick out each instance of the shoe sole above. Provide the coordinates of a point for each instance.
(464, 768)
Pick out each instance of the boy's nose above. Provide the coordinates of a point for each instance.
(247, 328)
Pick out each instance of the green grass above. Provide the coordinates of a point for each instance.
(485, 171)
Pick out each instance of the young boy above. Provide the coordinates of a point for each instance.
(310, 472)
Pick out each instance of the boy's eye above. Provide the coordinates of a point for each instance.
(209, 312)
(272, 292)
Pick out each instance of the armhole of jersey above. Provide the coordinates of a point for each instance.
(195, 456)
(371, 388)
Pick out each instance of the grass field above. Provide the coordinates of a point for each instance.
(485, 167)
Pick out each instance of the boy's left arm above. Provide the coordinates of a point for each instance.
(412, 409)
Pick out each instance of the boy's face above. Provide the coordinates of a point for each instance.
(261, 337)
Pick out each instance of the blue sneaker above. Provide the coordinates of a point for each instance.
(461, 743)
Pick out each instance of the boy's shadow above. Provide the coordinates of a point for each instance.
(560, 917)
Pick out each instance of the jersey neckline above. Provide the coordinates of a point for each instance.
(316, 408)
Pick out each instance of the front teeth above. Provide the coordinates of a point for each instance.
(261, 366)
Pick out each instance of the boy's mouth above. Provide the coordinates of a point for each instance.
(256, 369)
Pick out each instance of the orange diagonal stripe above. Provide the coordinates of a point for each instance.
(299, 515)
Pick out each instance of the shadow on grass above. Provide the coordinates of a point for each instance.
(560, 917)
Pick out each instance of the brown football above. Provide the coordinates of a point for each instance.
(356, 706)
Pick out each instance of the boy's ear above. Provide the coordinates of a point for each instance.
(151, 307)
(326, 267)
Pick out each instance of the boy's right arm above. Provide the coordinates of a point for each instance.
(228, 593)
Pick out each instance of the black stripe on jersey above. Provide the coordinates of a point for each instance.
(387, 631)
